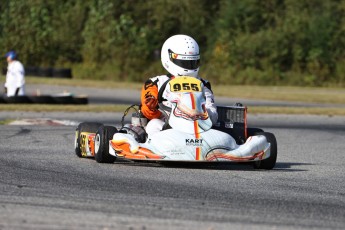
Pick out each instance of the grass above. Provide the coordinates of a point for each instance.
(83, 82)
(6, 121)
(285, 93)
(277, 93)
(333, 111)
(280, 93)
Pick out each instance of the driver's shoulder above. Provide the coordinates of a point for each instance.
(161, 78)
(206, 83)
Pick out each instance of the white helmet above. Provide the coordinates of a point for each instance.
(180, 56)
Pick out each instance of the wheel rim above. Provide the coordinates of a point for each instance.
(97, 143)
(76, 140)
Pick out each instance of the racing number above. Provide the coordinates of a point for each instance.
(185, 84)
(186, 87)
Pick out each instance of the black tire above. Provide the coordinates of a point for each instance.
(252, 131)
(44, 99)
(17, 100)
(270, 162)
(103, 135)
(90, 127)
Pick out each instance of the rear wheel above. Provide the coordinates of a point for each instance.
(103, 136)
(270, 162)
(252, 131)
(90, 127)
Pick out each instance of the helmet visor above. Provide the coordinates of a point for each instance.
(190, 62)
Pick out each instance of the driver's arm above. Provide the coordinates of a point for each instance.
(149, 100)
(210, 105)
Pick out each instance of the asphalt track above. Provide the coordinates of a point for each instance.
(44, 185)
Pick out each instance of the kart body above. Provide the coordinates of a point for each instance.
(191, 137)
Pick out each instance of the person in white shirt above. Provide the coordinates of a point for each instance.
(15, 81)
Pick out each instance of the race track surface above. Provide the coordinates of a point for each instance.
(44, 185)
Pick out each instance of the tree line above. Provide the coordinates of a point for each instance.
(272, 42)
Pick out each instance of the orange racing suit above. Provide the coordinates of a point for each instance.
(150, 96)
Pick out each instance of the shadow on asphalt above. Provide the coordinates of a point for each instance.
(280, 166)
(290, 166)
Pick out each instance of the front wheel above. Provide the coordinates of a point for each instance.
(89, 127)
(103, 136)
(270, 162)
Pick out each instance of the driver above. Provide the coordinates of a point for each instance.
(180, 57)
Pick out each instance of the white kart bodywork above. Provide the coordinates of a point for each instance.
(213, 145)
(191, 137)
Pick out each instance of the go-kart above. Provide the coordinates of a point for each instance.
(187, 136)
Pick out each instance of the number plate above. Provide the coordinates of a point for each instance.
(185, 84)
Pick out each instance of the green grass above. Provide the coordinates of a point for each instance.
(6, 121)
(333, 111)
(281, 93)
(83, 82)
(277, 93)
(285, 93)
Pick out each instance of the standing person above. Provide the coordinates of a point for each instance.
(15, 81)
(180, 57)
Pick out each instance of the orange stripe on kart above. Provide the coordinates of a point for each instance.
(121, 147)
(196, 125)
(196, 130)
(197, 153)
(149, 154)
(142, 153)
(216, 156)
(192, 99)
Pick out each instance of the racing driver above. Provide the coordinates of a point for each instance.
(180, 56)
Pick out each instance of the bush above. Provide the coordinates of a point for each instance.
(242, 41)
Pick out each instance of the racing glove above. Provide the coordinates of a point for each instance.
(149, 101)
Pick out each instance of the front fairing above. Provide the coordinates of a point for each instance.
(177, 145)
